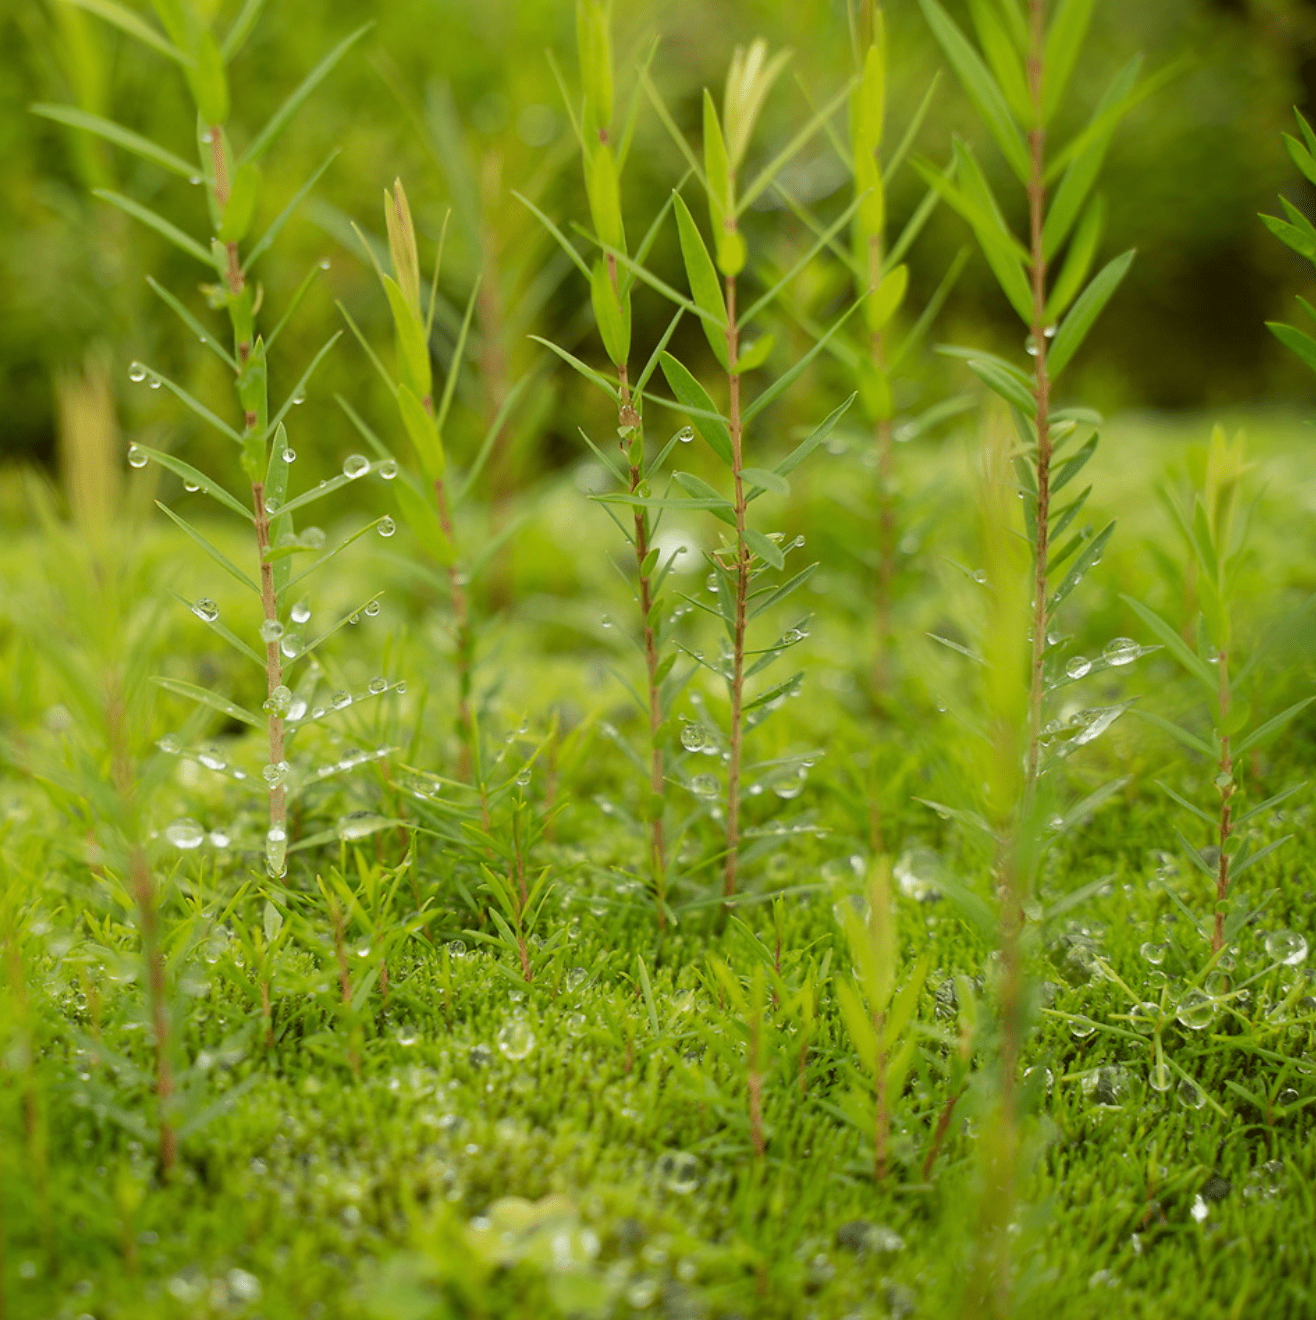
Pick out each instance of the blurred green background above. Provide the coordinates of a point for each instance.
(460, 99)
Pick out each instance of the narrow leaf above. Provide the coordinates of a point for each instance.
(1074, 328)
(161, 226)
(205, 697)
(118, 135)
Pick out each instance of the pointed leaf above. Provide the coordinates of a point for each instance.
(197, 478)
(692, 395)
(767, 550)
(205, 697)
(216, 554)
(161, 226)
(1074, 328)
(118, 135)
(705, 287)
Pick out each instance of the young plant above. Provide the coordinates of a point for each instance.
(604, 149)
(881, 280)
(1017, 85)
(1214, 529)
(1299, 234)
(875, 1016)
(739, 566)
(233, 190)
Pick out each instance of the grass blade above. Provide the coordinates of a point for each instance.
(161, 226)
(205, 697)
(268, 135)
(213, 551)
(204, 335)
(117, 134)
(199, 479)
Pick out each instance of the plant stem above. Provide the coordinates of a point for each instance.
(881, 1112)
(742, 596)
(629, 420)
(1225, 783)
(1041, 383)
(886, 508)
(273, 664)
(147, 912)
(464, 639)
(755, 1082)
(939, 1135)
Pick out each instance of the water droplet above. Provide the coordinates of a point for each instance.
(194, 179)
(457, 948)
(136, 372)
(388, 469)
(290, 645)
(136, 458)
(516, 1040)
(686, 434)
(1286, 947)
(298, 398)
(386, 526)
(1191, 1094)
(678, 1171)
(273, 504)
(1082, 1027)
(153, 383)
(289, 455)
(279, 702)
(275, 775)
(1121, 651)
(211, 757)
(355, 465)
(1047, 1076)
(207, 137)
(219, 839)
(371, 610)
(1200, 1209)
(642, 1293)
(1160, 1077)
(1078, 666)
(276, 852)
(359, 824)
(340, 699)
(1154, 953)
(1030, 346)
(400, 687)
(704, 786)
(185, 833)
(205, 609)
(191, 487)
(378, 685)
(301, 612)
(575, 978)
(313, 538)
(695, 738)
(1196, 1010)
(271, 630)
(170, 744)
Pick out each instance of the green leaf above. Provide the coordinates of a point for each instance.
(1064, 40)
(423, 519)
(412, 346)
(241, 205)
(1182, 736)
(243, 25)
(558, 236)
(1248, 862)
(1005, 385)
(588, 372)
(1074, 328)
(1078, 260)
(223, 631)
(1175, 644)
(705, 287)
(213, 551)
(755, 355)
(817, 437)
(1004, 56)
(1197, 811)
(1291, 236)
(270, 133)
(1297, 340)
(765, 480)
(197, 478)
(717, 503)
(195, 326)
(767, 550)
(882, 304)
(789, 377)
(981, 87)
(262, 244)
(126, 20)
(161, 226)
(1271, 726)
(208, 80)
(196, 406)
(703, 414)
(779, 593)
(1082, 174)
(424, 435)
(117, 134)
(612, 314)
(204, 697)
(1082, 564)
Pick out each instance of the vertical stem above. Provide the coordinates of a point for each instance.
(1225, 783)
(1041, 383)
(881, 1111)
(273, 663)
(742, 596)
(886, 508)
(629, 420)
(144, 895)
(463, 637)
(755, 1081)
